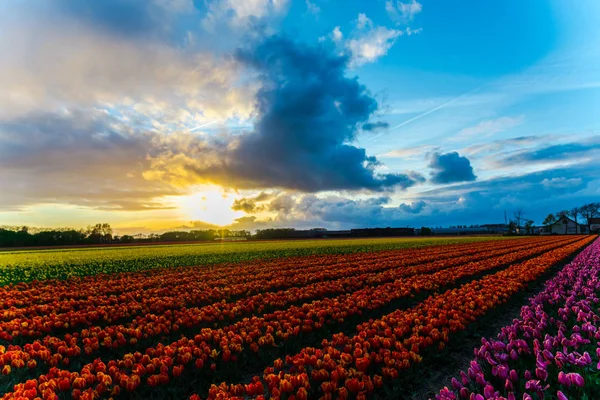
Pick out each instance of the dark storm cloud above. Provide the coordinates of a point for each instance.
(308, 112)
(374, 126)
(450, 168)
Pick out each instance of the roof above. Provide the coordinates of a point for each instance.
(560, 219)
(594, 221)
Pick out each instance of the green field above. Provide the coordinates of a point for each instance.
(27, 265)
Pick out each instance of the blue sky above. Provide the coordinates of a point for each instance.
(154, 115)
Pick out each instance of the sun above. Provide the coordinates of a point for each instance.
(207, 205)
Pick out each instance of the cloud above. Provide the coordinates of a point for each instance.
(81, 157)
(307, 113)
(312, 7)
(554, 153)
(241, 14)
(402, 13)
(536, 193)
(374, 126)
(370, 42)
(409, 152)
(413, 208)
(131, 17)
(561, 183)
(492, 126)
(503, 144)
(450, 168)
(337, 34)
(254, 204)
(120, 72)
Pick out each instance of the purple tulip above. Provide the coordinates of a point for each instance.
(488, 391)
(456, 384)
(508, 385)
(541, 373)
(576, 379)
(563, 379)
(561, 396)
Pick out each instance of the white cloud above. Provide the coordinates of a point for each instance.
(492, 126)
(370, 42)
(409, 152)
(113, 73)
(312, 7)
(363, 21)
(240, 13)
(562, 183)
(402, 13)
(337, 34)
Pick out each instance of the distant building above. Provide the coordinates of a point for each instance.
(595, 224)
(461, 231)
(382, 232)
(495, 228)
(564, 226)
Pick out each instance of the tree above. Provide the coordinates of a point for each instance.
(529, 227)
(518, 215)
(550, 219)
(563, 216)
(512, 226)
(99, 233)
(574, 213)
(589, 211)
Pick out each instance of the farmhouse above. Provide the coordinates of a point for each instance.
(595, 224)
(564, 226)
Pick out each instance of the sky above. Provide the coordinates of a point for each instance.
(155, 115)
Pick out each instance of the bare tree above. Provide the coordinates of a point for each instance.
(519, 217)
(574, 213)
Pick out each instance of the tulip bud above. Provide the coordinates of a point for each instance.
(561, 396)
(576, 379)
(563, 379)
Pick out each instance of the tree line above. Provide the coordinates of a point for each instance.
(22, 236)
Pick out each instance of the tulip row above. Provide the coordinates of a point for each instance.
(162, 363)
(53, 350)
(553, 350)
(80, 288)
(192, 293)
(301, 289)
(39, 298)
(382, 349)
(37, 265)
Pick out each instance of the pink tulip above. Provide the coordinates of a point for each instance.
(577, 379)
(563, 379)
(561, 396)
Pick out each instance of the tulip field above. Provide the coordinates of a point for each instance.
(346, 323)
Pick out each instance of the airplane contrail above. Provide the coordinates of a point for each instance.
(408, 121)
(202, 126)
